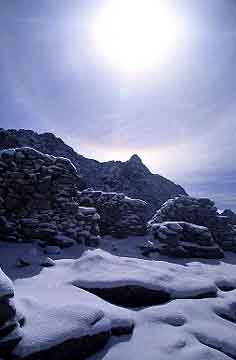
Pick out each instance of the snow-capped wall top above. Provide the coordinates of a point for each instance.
(132, 177)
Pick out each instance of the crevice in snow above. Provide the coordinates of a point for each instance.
(225, 286)
(131, 296)
(138, 297)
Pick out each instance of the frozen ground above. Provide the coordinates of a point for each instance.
(180, 327)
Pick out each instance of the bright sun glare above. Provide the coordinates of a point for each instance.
(136, 35)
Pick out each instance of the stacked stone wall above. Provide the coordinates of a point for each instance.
(38, 200)
(202, 212)
(120, 215)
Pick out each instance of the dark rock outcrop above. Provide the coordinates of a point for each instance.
(132, 177)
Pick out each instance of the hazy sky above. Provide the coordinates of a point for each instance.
(180, 117)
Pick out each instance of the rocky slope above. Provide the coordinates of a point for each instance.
(132, 177)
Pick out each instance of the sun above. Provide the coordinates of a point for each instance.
(135, 35)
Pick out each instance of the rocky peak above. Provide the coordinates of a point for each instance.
(135, 164)
(135, 158)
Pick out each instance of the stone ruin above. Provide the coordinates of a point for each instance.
(183, 239)
(10, 320)
(38, 200)
(41, 200)
(190, 227)
(121, 216)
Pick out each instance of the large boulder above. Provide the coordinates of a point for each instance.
(201, 212)
(133, 282)
(37, 200)
(63, 321)
(120, 215)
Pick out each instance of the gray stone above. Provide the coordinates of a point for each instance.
(52, 250)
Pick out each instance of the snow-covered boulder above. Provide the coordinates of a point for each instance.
(10, 332)
(182, 329)
(120, 216)
(65, 318)
(135, 282)
(63, 321)
(201, 212)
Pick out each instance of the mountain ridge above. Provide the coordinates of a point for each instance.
(131, 177)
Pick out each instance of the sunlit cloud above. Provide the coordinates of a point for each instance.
(136, 36)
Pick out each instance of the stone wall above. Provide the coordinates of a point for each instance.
(10, 321)
(121, 216)
(200, 212)
(182, 239)
(38, 200)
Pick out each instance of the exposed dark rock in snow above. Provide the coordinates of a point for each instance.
(38, 200)
(120, 216)
(10, 333)
(200, 212)
(131, 177)
(131, 295)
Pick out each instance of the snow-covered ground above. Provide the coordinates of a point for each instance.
(59, 302)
